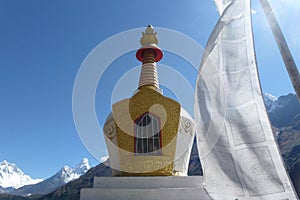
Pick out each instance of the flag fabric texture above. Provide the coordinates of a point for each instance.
(238, 152)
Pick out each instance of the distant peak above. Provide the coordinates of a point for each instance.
(83, 165)
(85, 160)
(67, 174)
(66, 167)
(4, 162)
(8, 164)
(270, 96)
(12, 176)
(81, 168)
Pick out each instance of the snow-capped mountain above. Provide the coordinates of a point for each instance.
(63, 176)
(282, 110)
(270, 101)
(12, 177)
(67, 174)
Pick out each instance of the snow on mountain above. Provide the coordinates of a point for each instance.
(82, 167)
(63, 176)
(12, 177)
(285, 109)
(67, 174)
(270, 102)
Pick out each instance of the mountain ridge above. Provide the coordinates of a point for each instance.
(282, 110)
(13, 177)
(15, 182)
(63, 176)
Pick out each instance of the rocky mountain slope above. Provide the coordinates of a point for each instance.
(284, 114)
(71, 191)
(283, 110)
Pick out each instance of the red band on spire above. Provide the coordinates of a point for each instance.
(158, 53)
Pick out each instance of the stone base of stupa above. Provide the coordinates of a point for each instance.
(146, 188)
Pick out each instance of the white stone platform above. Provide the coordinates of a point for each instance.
(146, 188)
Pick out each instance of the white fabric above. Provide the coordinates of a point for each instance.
(222, 4)
(239, 155)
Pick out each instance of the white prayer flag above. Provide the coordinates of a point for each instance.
(222, 4)
(238, 152)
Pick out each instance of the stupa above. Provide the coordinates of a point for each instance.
(149, 134)
(149, 139)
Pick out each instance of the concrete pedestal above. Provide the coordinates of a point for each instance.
(146, 188)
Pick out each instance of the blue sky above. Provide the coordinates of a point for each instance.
(43, 43)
